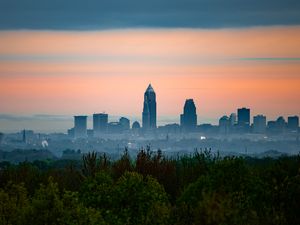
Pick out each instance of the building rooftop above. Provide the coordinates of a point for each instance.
(150, 88)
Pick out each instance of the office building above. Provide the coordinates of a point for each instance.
(71, 132)
(114, 127)
(80, 126)
(125, 123)
(277, 126)
(280, 124)
(293, 123)
(149, 109)
(244, 117)
(259, 124)
(271, 126)
(188, 120)
(232, 119)
(224, 124)
(136, 125)
(100, 122)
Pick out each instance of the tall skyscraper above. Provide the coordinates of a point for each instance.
(244, 117)
(149, 109)
(80, 126)
(259, 124)
(100, 122)
(293, 123)
(188, 120)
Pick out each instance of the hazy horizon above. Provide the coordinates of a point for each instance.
(45, 123)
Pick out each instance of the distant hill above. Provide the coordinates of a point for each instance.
(271, 154)
(20, 155)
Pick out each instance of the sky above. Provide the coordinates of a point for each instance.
(64, 58)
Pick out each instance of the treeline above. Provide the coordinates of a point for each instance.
(201, 188)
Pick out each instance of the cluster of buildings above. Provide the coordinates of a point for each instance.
(235, 123)
(241, 123)
(100, 126)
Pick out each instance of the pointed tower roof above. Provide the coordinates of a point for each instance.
(150, 88)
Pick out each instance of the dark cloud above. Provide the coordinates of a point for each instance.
(106, 14)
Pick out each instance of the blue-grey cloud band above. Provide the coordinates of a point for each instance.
(111, 14)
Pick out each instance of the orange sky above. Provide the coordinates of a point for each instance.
(56, 72)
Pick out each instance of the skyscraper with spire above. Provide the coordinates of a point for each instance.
(149, 109)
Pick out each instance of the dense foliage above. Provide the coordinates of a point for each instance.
(151, 189)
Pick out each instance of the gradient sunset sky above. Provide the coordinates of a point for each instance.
(64, 58)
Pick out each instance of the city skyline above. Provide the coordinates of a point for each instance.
(241, 117)
(236, 123)
(66, 59)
